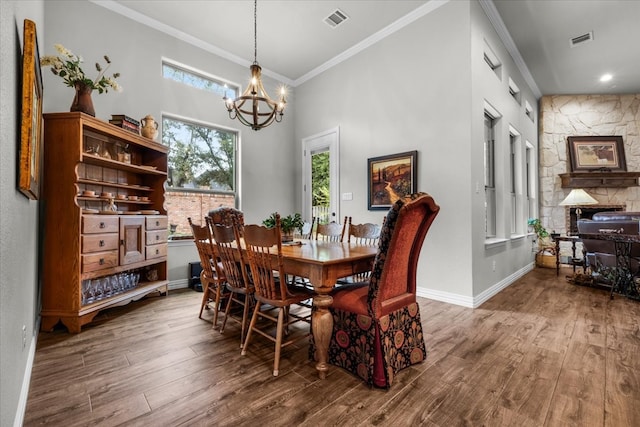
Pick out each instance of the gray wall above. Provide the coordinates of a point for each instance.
(514, 256)
(18, 222)
(423, 88)
(136, 52)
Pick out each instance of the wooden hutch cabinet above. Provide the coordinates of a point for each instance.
(97, 255)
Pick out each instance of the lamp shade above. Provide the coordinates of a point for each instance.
(578, 197)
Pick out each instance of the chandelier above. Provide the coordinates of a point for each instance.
(254, 108)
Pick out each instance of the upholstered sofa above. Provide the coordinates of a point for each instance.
(600, 255)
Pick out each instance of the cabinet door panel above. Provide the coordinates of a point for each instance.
(131, 240)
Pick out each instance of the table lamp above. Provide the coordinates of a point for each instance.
(578, 197)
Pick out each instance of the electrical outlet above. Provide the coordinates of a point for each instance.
(24, 336)
(493, 265)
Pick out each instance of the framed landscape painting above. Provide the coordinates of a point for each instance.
(31, 126)
(391, 178)
(592, 153)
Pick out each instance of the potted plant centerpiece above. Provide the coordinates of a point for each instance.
(546, 254)
(288, 224)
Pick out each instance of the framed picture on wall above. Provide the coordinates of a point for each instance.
(592, 153)
(390, 178)
(31, 116)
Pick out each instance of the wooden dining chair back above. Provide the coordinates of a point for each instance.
(212, 275)
(331, 232)
(226, 216)
(264, 250)
(377, 328)
(240, 288)
(363, 234)
(306, 232)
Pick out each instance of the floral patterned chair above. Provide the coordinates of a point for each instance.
(377, 329)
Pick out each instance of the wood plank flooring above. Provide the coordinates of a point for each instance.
(543, 352)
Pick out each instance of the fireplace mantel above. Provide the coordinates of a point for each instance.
(599, 179)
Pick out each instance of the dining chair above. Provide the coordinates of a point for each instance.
(240, 288)
(361, 234)
(226, 216)
(212, 275)
(377, 330)
(331, 232)
(264, 251)
(306, 232)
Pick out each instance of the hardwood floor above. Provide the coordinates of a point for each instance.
(543, 352)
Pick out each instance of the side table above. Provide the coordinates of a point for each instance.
(573, 240)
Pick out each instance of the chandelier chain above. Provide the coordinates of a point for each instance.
(255, 31)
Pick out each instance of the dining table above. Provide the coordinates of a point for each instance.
(323, 263)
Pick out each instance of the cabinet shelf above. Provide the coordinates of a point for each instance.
(123, 298)
(113, 184)
(117, 201)
(93, 159)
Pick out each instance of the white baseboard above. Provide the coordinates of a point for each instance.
(26, 380)
(178, 284)
(476, 301)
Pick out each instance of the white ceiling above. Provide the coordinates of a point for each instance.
(294, 42)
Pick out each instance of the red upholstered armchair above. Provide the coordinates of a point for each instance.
(377, 329)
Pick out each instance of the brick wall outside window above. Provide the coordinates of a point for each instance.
(182, 205)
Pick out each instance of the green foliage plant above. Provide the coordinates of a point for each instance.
(540, 231)
(287, 223)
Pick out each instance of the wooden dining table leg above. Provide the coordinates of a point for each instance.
(322, 324)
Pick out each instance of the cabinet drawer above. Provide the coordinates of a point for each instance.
(156, 251)
(99, 224)
(157, 222)
(157, 236)
(99, 261)
(99, 242)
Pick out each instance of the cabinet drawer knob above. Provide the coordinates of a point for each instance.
(101, 243)
(102, 225)
(157, 223)
(157, 237)
(101, 261)
(157, 251)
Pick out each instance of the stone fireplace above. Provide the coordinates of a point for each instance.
(574, 115)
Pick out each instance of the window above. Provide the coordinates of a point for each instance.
(198, 79)
(202, 171)
(528, 110)
(492, 60)
(489, 176)
(530, 179)
(515, 171)
(514, 90)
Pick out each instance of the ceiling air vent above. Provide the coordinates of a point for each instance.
(336, 18)
(581, 39)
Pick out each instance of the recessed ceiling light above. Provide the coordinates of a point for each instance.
(606, 77)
